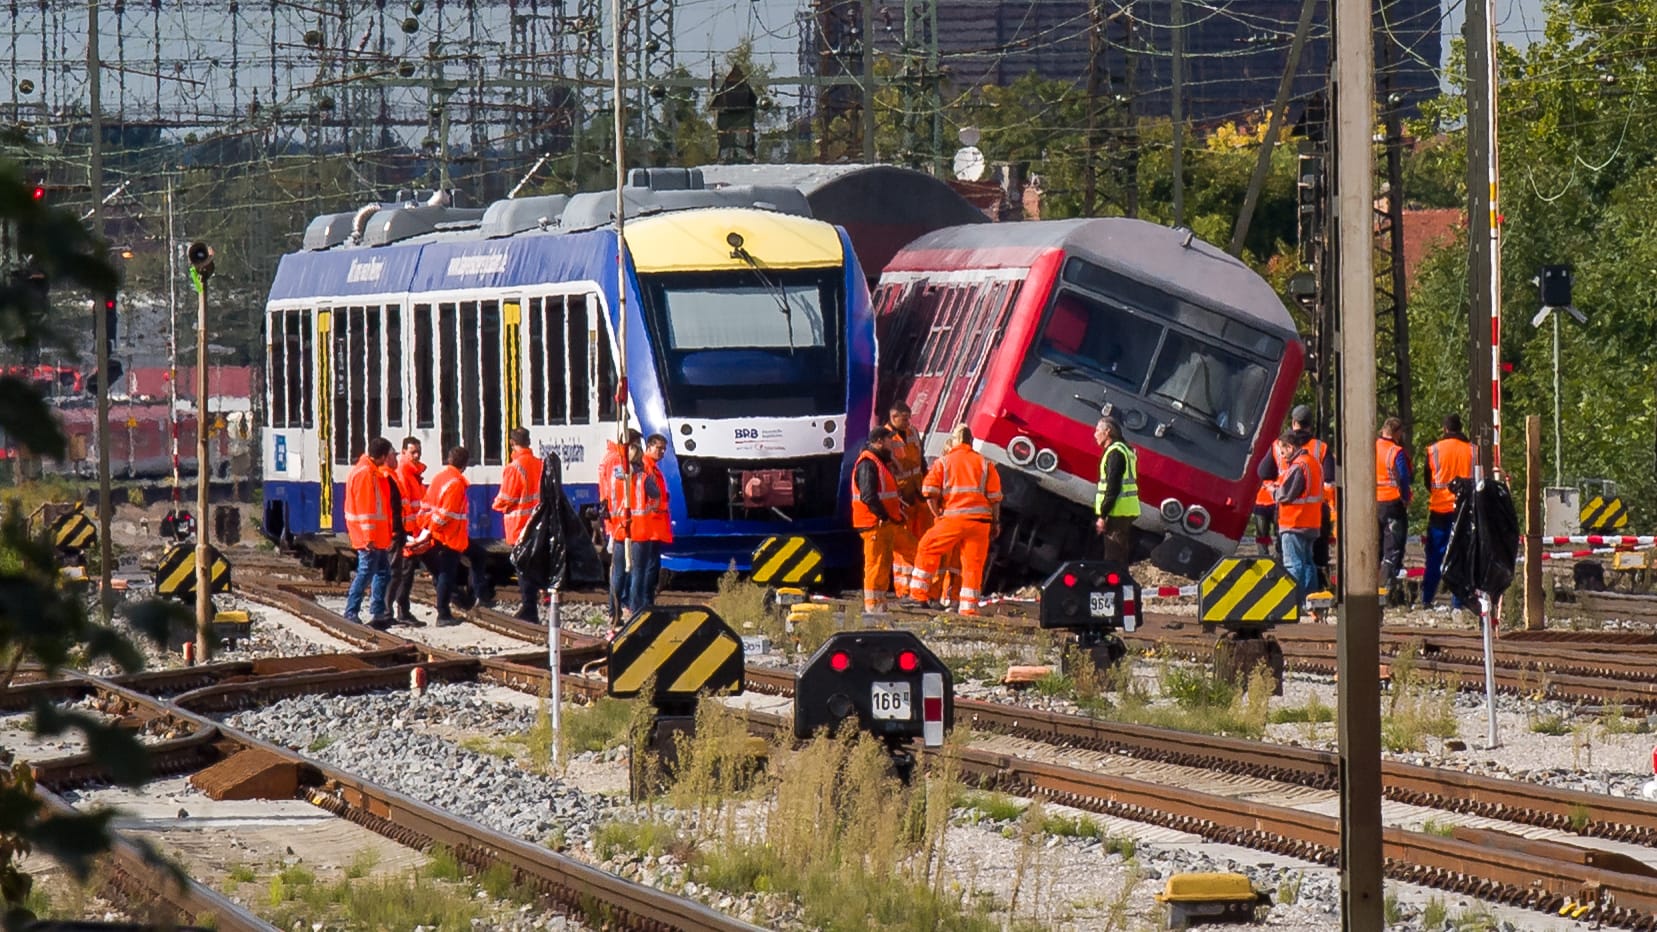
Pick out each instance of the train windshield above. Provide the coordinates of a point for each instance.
(1156, 359)
(744, 344)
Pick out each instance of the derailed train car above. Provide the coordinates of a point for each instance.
(1029, 331)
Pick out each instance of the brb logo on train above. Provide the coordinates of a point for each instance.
(759, 439)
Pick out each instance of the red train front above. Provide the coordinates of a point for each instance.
(1028, 331)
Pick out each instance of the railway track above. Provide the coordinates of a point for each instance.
(1539, 874)
(557, 881)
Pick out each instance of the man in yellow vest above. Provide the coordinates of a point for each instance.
(1116, 505)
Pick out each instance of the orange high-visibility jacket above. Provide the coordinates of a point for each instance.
(1387, 452)
(908, 462)
(968, 484)
(520, 492)
(1447, 460)
(445, 509)
(651, 521)
(413, 492)
(368, 506)
(862, 517)
(611, 489)
(1305, 512)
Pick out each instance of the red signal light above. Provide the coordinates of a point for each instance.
(909, 661)
(840, 661)
(39, 192)
(109, 304)
(1070, 580)
(1113, 579)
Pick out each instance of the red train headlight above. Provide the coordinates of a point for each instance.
(1021, 451)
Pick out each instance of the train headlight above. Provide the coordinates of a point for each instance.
(1021, 451)
(1196, 519)
(1046, 460)
(828, 427)
(1172, 511)
(692, 468)
(685, 429)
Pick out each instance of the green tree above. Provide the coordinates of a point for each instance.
(42, 619)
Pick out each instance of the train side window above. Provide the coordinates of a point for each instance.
(341, 373)
(537, 363)
(301, 366)
(942, 333)
(493, 425)
(394, 367)
(607, 378)
(448, 402)
(578, 345)
(993, 324)
(374, 377)
(425, 364)
(276, 347)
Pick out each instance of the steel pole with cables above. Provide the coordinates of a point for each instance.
(619, 108)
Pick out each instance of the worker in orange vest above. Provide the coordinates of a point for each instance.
(966, 497)
(908, 467)
(1299, 510)
(1449, 461)
(445, 516)
(520, 492)
(368, 521)
(1272, 467)
(612, 505)
(411, 491)
(651, 526)
(1392, 498)
(878, 516)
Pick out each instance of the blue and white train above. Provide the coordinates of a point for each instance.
(749, 343)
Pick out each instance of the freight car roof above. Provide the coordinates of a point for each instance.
(1168, 258)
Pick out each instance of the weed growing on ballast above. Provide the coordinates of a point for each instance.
(1416, 709)
(1554, 725)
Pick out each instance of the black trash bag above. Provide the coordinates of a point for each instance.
(555, 550)
(1483, 550)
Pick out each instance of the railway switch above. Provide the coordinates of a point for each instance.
(675, 654)
(1247, 597)
(888, 681)
(1095, 599)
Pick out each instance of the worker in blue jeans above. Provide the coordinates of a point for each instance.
(1299, 497)
(1449, 461)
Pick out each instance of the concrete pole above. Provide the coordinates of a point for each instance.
(1358, 640)
(1535, 618)
(100, 320)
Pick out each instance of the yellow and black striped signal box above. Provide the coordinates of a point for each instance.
(175, 578)
(788, 561)
(686, 649)
(1602, 513)
(74, 531)
(1248, 592)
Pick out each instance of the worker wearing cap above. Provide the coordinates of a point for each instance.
(878, 516)
(1116, 505)
(1449, 461)
(966, 497)
(1272, 467)
(1392, 497)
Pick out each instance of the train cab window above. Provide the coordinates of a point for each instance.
(1203, 380)
(425, 364)
(1099, 338)
(290, 369)
(394, 366)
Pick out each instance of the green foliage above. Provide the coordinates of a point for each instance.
(1550, 725)
(995, 807)
(41, 619)
(635, 838)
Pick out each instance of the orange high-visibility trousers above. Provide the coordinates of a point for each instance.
(882, 545)
(973, 539)
(903, 565)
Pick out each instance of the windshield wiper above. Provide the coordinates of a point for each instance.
(778, 294)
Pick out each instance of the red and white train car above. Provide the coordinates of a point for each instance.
(1028, 331)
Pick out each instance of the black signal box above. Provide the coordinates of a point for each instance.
(888, 681)
(1090, 594)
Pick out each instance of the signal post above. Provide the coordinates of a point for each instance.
(201, 269)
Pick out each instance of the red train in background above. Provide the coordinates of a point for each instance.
(1028, 331)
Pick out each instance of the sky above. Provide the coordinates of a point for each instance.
(707, 28)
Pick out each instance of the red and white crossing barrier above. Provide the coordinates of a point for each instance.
(1601, 540)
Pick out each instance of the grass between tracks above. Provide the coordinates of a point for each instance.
(1183, 696)
(830, 831)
